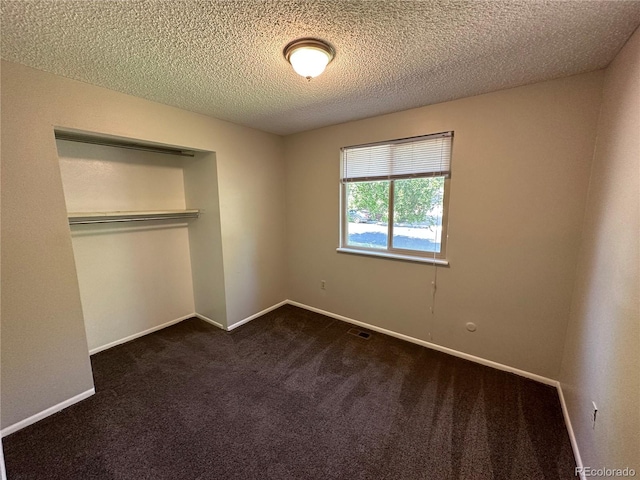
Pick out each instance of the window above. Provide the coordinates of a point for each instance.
(394, 198)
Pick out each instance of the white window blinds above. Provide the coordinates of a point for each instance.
(426, 156)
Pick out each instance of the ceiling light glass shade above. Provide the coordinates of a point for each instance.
(308, 57)
(309, 61)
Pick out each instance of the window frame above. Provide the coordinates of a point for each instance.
(390, 251)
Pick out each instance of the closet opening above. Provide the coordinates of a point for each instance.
(144, 221)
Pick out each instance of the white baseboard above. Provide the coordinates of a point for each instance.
(243, 321)
(433, 346)
(572, 436)
(259, 314)
(45, 413)
(208, 320)
(140, 334)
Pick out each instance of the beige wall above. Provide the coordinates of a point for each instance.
(520, 170)
(44, 348)
(602, 358)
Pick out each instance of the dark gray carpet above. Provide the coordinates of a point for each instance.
(292, 395)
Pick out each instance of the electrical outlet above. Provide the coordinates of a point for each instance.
(323, 285)
(594, 415)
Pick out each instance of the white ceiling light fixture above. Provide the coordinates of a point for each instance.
(309, 56)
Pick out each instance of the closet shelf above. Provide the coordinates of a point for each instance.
(81, 218)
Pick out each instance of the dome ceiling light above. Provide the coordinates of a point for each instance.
(309, 56)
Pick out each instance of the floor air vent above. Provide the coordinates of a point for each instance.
(359, 333)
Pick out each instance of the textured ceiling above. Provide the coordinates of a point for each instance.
(224, 58)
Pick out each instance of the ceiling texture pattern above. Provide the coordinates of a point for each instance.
(224, 58)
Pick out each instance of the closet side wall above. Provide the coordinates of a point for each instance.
(205, 240)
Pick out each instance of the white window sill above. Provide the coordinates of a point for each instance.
(394, 256)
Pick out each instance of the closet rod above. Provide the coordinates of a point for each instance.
(120, 217)
(107, 142)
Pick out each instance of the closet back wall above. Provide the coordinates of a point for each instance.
(132, 276)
